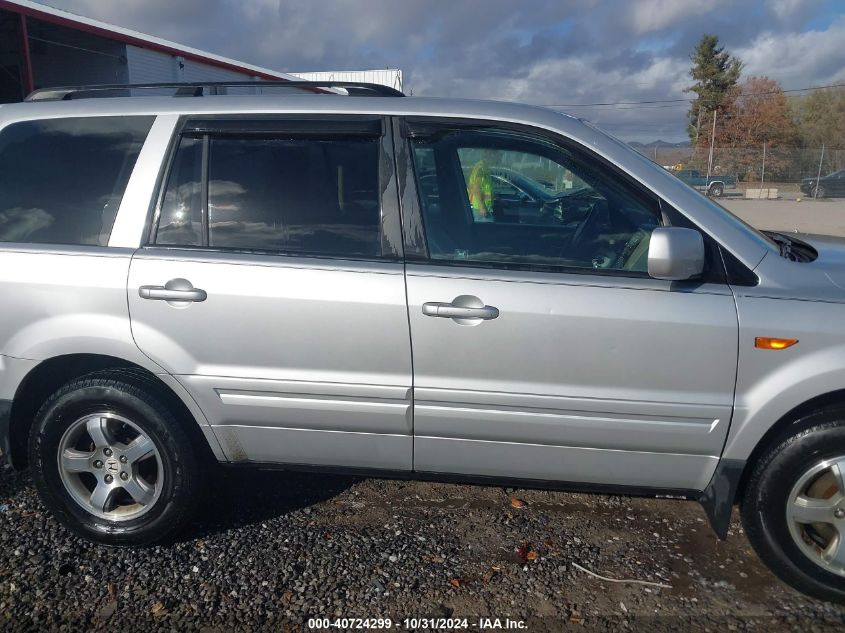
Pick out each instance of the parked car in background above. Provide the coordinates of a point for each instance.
(314, 282)
(830, 186)
(714, 185)
(522, 199)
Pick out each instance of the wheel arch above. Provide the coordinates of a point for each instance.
(47, 376)
(729, 481)
(782, 427)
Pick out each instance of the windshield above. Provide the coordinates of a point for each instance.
(742, 225)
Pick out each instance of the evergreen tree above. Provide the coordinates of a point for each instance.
(715, 73)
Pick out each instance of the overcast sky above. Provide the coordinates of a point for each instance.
(534, 51)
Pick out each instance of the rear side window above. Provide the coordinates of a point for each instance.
(62, 180)
(180, 221)
(310, 195)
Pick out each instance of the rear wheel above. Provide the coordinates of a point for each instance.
(793, 508)
(716, 190)
(111, 462)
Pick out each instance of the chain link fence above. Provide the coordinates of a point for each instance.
(783, 168)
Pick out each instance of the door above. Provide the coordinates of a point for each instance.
(542, 349)
(272, 288)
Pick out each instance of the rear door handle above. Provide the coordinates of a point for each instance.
(174, 290)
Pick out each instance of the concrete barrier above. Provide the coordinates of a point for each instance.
(761, 194)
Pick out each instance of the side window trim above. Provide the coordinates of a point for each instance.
(204, 231)
(300, 126)
(151, 228)
(406, 128)
(413, 233)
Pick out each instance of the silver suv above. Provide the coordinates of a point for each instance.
(399, 286)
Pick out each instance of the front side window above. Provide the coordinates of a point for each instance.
(309, 196)
(62, 180)
(505, 198)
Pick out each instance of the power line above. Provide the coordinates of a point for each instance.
(681, 101)
(649, 107)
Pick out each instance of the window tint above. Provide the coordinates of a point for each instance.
(312, 196)
(295, 195)
(62, 180)
(180, 221)
(500, 197)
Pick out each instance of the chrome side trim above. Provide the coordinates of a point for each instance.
(308, 446)
(498, 399)
(336, 407)
(573, 428)
(571, 421)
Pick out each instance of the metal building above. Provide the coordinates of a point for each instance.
(41, 46)
(387, 77)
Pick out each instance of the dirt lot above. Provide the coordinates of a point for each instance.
(273, 549)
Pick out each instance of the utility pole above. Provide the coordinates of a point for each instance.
(763, 172)
(818, 176)
(710, 158)
(697, 127)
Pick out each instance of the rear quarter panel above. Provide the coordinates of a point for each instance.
(65, 300)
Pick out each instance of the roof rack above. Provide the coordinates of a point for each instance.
(199, 89)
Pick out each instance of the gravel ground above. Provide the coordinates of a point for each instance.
(272, 549)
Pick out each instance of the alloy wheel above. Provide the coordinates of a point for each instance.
(110, 467)
(815, 513)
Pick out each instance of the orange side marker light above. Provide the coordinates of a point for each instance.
(763, 342)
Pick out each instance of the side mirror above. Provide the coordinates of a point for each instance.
(675, 253)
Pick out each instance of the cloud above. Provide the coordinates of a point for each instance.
(808, 58)
(543, 52)
(648, 16)
(787, 9)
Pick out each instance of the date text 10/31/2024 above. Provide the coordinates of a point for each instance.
(414, 624)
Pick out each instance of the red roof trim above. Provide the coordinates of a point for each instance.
(128, 39)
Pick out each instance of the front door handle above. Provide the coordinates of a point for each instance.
(173, 290)
(465, 309)
(451, 311)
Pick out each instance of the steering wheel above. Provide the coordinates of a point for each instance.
(589, 229)
(634, 255)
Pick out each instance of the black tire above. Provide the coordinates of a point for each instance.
(133, 396)
(819, 191)
(811, 439)
(716, 190)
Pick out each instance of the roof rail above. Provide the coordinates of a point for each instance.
(198, 89)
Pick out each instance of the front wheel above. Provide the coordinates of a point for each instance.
(716, 190)
(111, 462)
(819, 191)
(793, 508)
